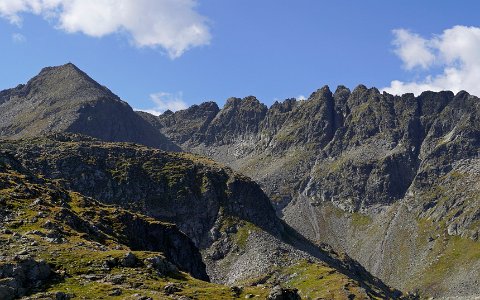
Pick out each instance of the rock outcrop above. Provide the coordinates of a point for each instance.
(279, 293)
(22, 276)
(58, 211)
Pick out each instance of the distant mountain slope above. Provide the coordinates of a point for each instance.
(65, 99)
(365, 171)
(226, 214)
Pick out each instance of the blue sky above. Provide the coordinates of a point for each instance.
(273, 49)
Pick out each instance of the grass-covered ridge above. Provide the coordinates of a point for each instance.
(77, 237)
(51, 185)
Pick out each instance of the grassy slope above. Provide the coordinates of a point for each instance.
(78, 260)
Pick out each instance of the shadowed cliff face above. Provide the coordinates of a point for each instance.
(361, 170)
(39, 207)
(181, 188)
(65, 99)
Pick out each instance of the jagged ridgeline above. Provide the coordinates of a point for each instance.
(390, 180)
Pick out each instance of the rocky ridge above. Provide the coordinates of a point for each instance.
(362, 170)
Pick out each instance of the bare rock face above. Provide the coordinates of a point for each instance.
(22, 276)
(239, 118)
(187, 125)
(363, 170)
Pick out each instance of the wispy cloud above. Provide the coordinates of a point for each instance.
(18, 38)
(456, 52)
(174, 25)
(166, 101)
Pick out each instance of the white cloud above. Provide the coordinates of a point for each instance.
(301, 98)
(413, 49)
(166, 101)
(173, 25)
(18, 38)
(456, 52)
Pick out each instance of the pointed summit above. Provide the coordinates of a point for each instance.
(66, 67)
(69, 82)
(66, 99)
(323, 93)
(66, 71)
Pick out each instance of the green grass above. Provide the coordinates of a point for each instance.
(315, 281)
(448, 255)
(87, 290)
(244, 230)
(360, 220)
(244, 233)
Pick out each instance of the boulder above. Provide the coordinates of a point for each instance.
(279, 293)
(129, 260)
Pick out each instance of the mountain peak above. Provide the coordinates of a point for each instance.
(70, 78)
(322, 93)
(66, 66)
(68, 69)
(65, 99)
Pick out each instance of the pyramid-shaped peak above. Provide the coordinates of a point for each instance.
(68, 65)
(67, 82)
(66, 71)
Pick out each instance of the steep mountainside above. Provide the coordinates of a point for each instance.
(226, 215)
(56, 240)
(367, 172)
(65, 99)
